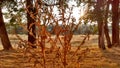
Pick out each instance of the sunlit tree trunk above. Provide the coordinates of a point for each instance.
(101, 43)
(30, 20)
(115, 22)
(3, 34)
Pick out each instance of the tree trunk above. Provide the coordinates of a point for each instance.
(3, 34)
(101, 35)
(109, 45)
(30, 20)
(115, 22)
(101, 43)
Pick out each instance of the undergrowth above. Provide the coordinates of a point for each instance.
(53, 47)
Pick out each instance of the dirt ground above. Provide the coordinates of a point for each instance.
(95, 58)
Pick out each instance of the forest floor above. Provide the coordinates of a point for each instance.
(95, 58)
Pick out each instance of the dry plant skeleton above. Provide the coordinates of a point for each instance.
(59, 38)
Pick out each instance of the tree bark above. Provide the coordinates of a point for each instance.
(115, 22)
(109, 44)
(101, 43)
(3, 34)
(30, 20)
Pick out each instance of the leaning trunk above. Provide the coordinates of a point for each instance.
(3, 34)
(109, 45)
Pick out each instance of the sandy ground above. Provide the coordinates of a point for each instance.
(95, 58)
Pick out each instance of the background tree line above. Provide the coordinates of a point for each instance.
(97, 11)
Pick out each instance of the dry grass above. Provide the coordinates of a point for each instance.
(94, 58)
